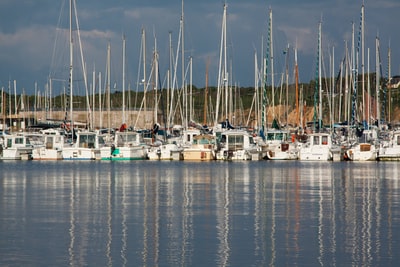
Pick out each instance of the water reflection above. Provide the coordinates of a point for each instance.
(218, 213)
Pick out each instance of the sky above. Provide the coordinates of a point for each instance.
(31, 49)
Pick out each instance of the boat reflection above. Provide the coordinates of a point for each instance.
(174, 213)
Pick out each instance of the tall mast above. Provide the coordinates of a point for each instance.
(169, 87)
(155, 71)
(271, 44)
(318, 88)
(355, 81)
(378, 80)
(123, 78)
(225, 74)
(183, 64)
(144, 81)
(369, 92)
(108, 88)
(320, 76)
(365, 114)
(388, 82)
(93, 94)
(347, 77)
(71, 60)
(297, 87)
(191, 89)
(265, 78)
(287, 85)
(206, 96)
(100, 102)
(221, 75)
(3, 110)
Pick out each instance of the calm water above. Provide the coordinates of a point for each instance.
(145, 213)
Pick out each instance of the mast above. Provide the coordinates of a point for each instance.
(100, 103)
(271, 43)
(169, 87)
(346, 83)
(333, 88)
(3, 110)
(71, 61)
(318, 87)
(93, 94)
(320, 77)
(183, 65)
(225, 74)
(123, 78)
(287, 85)
(15, 98)
(378, 80)
(297, 87)
(221, 76)
(82, 61)
(365, 114)
(265, 78)
(369, 92)
(355, 81)
(108, 88)
(155, 71)
(388, 83)
(144, 73)
(191, 89)
(206, 96)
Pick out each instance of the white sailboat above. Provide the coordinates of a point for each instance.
(202, 148)
(389, 149)
(16, 147)
(281, 146)
(128, 145)
(52, 147)
(319, 146)
(365, 147)
(88, 146)
(236, 144)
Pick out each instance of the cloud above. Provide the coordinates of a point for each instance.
(29, 47)
(27, 37)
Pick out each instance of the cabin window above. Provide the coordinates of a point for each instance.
(19, 140)
(101, 140)
(235, 142)
(9, 142)
(316, 140)
(235, 139)
(202, 141)
(251, 140)
(133, 137)
(49, 142)
(223, 138)
(87, 141)
(91, 141)
(324, 140)
(83, 141)
(398, 140)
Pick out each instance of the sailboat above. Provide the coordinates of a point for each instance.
(279, 144)
(16, 147)
(52, 147)
(232, 143)
(88, 145)
(319, 146)
(362, 139)
(128, 144)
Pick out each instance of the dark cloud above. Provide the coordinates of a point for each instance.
(28, 31)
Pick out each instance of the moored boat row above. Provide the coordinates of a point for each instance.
(197, 145)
